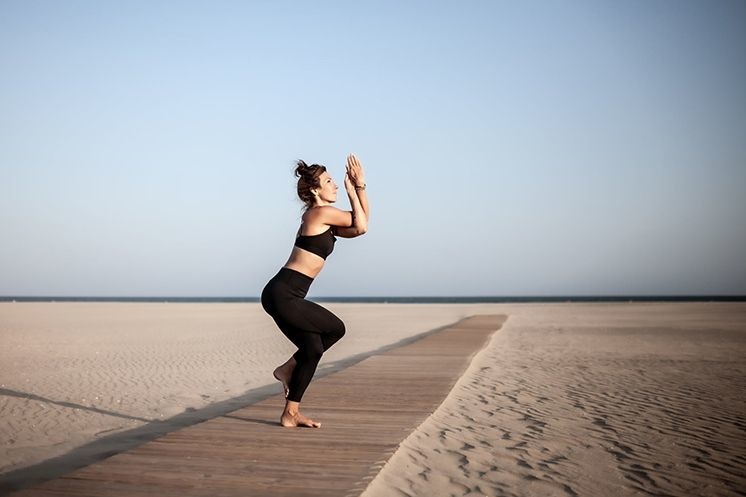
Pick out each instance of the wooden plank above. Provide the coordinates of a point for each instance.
(366, 411)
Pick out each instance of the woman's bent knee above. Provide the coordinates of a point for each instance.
(339, 329)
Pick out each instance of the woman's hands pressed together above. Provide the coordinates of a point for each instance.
(355, 186)
(354, 172)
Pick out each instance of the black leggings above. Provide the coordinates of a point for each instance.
(309, 326)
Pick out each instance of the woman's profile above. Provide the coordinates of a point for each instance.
(312, 328)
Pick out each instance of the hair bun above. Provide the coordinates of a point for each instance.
(302, 168)
(308, 179)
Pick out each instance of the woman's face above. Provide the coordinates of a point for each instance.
(327, 189)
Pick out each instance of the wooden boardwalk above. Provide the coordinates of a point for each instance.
(366, 411)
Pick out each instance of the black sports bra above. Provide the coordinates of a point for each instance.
(321, 244)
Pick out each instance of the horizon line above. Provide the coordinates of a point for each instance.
(379, 298)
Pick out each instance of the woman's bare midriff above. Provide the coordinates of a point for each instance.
(305, 262)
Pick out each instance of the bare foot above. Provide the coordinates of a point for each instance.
(283, 378)
(283, 374)
(294, 420)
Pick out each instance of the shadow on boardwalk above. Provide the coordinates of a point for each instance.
(127, 440)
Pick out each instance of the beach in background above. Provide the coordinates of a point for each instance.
(566, 399)
(590, 400)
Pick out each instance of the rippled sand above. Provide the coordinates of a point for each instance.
(567, 399)
(72, 373)
(590, 400)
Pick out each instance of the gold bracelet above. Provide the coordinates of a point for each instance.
(360, 187)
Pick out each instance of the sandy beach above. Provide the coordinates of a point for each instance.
(567, 399)
(73, 372)
(590, 400)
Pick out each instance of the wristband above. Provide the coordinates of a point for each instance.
(360, 187)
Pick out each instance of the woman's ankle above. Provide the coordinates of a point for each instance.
(291, 408)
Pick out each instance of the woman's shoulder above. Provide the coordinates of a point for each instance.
(321, 214)
(314, 220)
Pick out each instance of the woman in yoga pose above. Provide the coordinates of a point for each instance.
(312, 328)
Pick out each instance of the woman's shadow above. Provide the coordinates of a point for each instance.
(122, 441)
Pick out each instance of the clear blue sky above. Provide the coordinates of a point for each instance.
(512, 148)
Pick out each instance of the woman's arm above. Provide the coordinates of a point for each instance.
(359, 221)
(355, 186)
(357, 175)
(353, 231)
(347, 224)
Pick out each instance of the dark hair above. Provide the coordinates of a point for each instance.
(308, 179)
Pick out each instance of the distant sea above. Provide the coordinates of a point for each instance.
(404, 300)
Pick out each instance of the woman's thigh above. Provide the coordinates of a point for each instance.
(304, 315)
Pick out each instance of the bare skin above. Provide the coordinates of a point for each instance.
(292, 418)
(317, 219)
(284, 372)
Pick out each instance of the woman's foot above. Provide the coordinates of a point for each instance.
(283, 374)
(294, 420)
(291, 417)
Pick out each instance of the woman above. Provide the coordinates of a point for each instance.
(309, 326)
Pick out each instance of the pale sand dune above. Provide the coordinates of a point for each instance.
(590, 400)
(71, 373)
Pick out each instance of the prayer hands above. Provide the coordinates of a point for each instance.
(354, 171)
